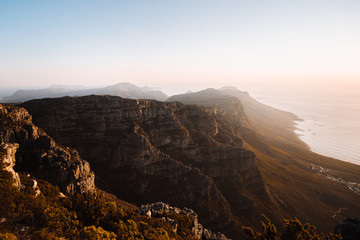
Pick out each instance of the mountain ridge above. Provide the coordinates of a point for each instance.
(282, 155)
(123, 89)
(137, 132)
(283, 161)
(32, 208)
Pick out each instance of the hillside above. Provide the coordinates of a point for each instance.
(146, 151)
(291, 171)
(54, 196)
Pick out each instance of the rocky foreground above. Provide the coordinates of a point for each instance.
(158, 210)
(37, 153)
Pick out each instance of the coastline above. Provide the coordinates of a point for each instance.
(321, 141)
(331, 133)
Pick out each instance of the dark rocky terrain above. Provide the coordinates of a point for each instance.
(31, 208)
(38, 154)
(160, 210)
(349, 229)
(147, 151)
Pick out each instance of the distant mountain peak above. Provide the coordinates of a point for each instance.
(232, 90)
(72, 87)
(228, 88)
(123, 89)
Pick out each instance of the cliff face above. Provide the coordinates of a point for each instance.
(147, 151)
(7, 161)
(160, 209)
(37, 153)
(289, 168)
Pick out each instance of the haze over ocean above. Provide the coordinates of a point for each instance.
(331, 125)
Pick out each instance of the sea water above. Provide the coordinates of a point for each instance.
(331, 119)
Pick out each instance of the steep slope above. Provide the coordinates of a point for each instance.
(144, 150)
(127, 90)
(274, 125)
(261, 118)
(32, 208)
(38, 154)
(291, 171)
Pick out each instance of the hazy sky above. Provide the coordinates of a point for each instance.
(179, 44)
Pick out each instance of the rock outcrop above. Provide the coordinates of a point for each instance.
(159, 209)
(7, 161)
(149, 151)
(38, 153)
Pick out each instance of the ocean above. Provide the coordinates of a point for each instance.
(331, 119)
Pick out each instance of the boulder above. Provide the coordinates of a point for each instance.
(38, 153)
(7, 161)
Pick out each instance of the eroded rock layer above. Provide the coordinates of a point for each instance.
(148, 151)
(38, 153)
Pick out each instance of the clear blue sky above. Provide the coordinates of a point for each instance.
(178, 44)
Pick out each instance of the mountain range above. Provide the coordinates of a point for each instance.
(217, 151)
(125, 89)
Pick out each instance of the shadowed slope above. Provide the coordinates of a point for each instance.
(144, 151)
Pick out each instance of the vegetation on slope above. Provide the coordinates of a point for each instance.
(94, 216)
(293, 230)
(83, 216)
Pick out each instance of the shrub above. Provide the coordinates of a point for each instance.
(96, 233)
(293, 230)
(44, 234)
(128, 230)
(7, 236)
(59, 220)
(91, 208)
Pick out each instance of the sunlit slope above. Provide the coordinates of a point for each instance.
(285, 162)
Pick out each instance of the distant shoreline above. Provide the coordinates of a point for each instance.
(316, 127)
(306, 135)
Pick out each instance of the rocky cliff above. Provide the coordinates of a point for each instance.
(163, 210)
(7, 162)
(274, 125)
(148, 151)
(38, 153)
(298, 181)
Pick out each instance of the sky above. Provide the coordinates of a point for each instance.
(180, 45)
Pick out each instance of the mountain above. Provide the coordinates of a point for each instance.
(33, 171)
(264, 119)
(147, 151)
(297, 179)
(127, 90)
(38, 154)
(225, 155)
(25, 95)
